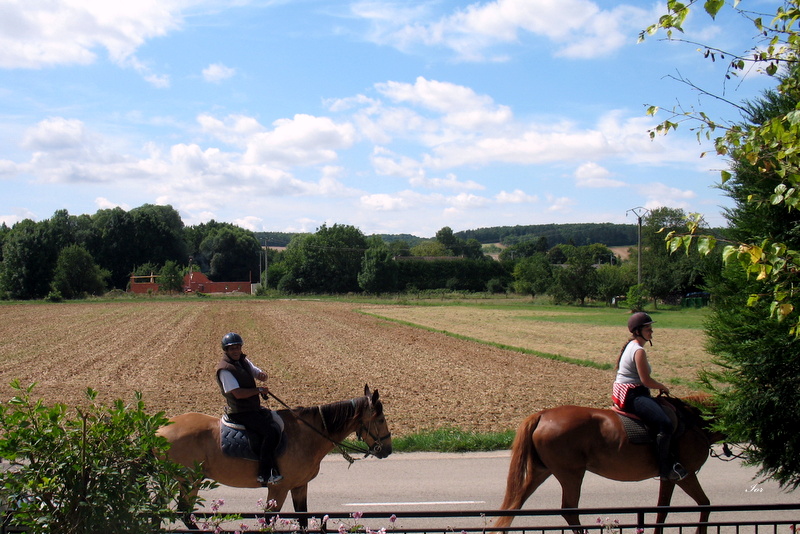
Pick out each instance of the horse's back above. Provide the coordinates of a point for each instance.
(576, 428)
(190, 435)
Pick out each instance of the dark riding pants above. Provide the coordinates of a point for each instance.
(261, 423)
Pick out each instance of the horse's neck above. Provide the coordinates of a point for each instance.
(337, 420)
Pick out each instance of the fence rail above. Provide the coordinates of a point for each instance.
(737, 519)
(724, 519)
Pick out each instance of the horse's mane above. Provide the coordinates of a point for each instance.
(336, 415)
(694, 407)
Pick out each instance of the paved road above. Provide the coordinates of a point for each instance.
(476, 481)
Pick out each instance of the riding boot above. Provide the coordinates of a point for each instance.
(668, 468)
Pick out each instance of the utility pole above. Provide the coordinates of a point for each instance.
(639, 212)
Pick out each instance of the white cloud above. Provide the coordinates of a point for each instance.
(384, 202)
(20, 214)
(39, 34)
(658, 195)
(216, 72)
(302, 140)
(515, 197)
(559, 204)
(591, 174)
(105, 204)
(474, 31)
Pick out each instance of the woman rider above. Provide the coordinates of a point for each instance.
(631, 393)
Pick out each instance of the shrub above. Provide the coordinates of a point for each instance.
(93, 469)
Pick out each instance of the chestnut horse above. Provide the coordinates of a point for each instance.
(567, 441)
(311, 434)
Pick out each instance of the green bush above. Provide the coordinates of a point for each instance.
(87, 470)
(636, 299)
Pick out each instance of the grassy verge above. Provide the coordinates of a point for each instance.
(451, 440)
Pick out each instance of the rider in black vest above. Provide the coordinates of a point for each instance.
(236, 377)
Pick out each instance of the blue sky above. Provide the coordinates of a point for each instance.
(394, 117)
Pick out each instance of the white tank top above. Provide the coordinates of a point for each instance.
(627, 372)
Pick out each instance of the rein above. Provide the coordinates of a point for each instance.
(340, 446)
(729, 456)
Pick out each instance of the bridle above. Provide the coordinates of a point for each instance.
(377, 442)
(342, 447)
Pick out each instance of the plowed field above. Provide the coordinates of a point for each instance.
(317, 352)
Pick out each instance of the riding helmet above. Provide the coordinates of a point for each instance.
(638, 320)
(231, 338)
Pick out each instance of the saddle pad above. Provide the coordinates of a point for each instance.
(637, 432)
(235, 440)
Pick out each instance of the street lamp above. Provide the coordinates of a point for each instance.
(639, 212)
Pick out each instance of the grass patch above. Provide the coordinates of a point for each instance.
(453, 440)
(448, 439)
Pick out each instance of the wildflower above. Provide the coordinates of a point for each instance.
(357, 515)
(392, 518)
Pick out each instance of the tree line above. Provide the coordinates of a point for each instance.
(68, 256)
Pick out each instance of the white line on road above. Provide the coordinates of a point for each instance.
(411, 503)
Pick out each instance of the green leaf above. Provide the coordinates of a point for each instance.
(712, 7)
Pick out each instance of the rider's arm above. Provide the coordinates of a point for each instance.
(643, 368)
(231, 385)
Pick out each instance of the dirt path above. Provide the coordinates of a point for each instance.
(315, 352)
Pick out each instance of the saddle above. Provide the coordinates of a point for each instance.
(636, 429)
(237, 442)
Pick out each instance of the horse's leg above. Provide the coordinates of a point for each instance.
(300, 503)
(187, 500)
(571, 482)
(515, 500)
(692, 487)
(665, 490)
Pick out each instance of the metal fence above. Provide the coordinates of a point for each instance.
(739, 519)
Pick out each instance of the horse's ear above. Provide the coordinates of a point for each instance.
(366, 390)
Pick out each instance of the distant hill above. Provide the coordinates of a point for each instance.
(612, 235)
(579, 234)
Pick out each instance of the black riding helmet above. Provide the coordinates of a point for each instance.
(637, 321)
(231, 338)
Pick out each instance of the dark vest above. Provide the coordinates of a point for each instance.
(242, 371)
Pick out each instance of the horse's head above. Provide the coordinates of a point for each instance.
(374, 430)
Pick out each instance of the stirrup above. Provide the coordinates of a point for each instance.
(676, 473)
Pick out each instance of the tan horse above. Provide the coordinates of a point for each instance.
(311, 434)
(567, 441)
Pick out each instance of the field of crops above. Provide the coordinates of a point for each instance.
(318, 352)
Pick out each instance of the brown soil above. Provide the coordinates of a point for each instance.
(315, 352)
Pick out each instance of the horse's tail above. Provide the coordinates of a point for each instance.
(524, 460)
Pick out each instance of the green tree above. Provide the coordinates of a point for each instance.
(757, 392)
(233, 253)
(577, 280)
(613, 281)
(533, 275)
(430, 249)
(170, 278)
(379, 269)
(325, 262)
(666, 275)
(112, 244)
(29, 258)
(77, 275)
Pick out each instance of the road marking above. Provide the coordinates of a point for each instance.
(411, 503)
